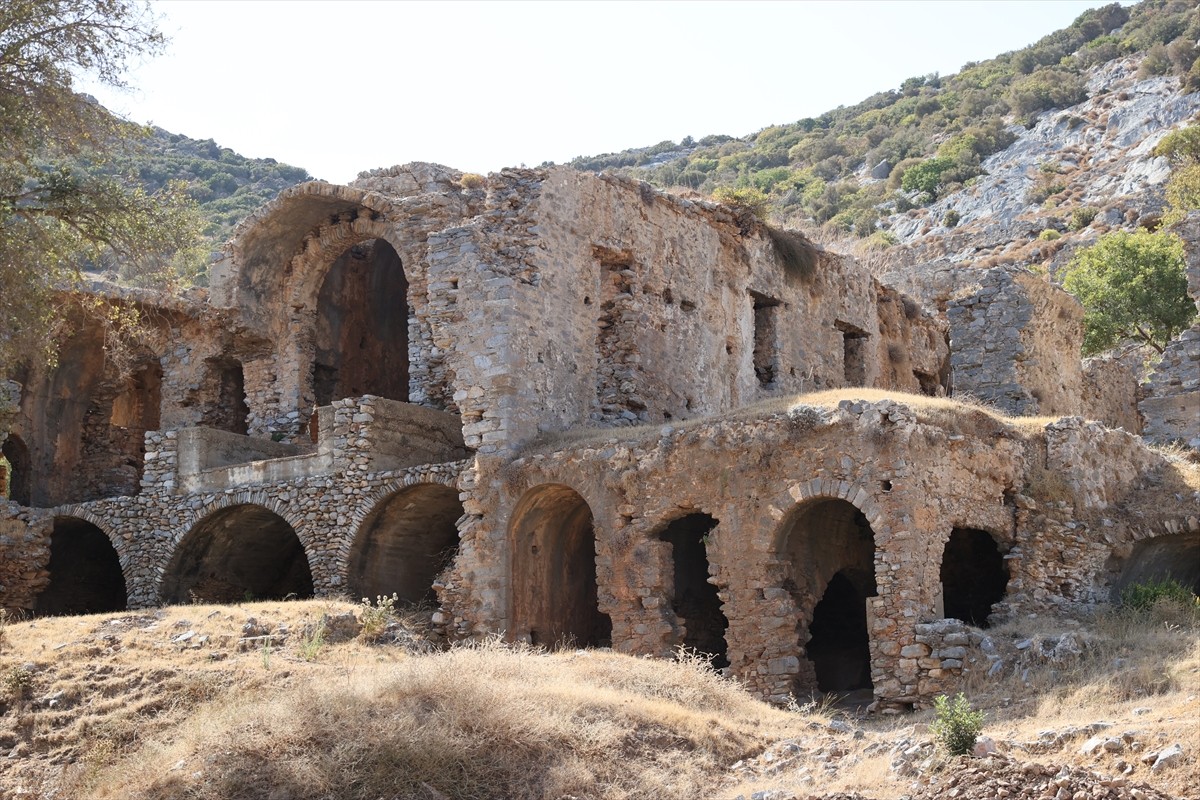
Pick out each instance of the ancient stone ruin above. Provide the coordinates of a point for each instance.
(562, 407)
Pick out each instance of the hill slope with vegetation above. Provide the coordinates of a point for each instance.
(850, 168)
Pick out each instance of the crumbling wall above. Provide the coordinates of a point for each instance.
(24, 556)
(1110, 393)
(1171, 406)
(1015, 342)
(631, 307)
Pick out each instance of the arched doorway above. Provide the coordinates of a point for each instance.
(361, 338)
(20, 481)
(406, 541)
(973, 576)
(85, 573)
(1174, 556)
(694, 600)
(243, 552)
(554, 570)
(830, 551)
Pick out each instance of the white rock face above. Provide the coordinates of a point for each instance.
(1103, 145)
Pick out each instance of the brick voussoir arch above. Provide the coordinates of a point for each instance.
(798, 495)
(243, 497)
(342, 544)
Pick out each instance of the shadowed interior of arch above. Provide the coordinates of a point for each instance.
(405, 542)
(554, 570)
(19, 483)
(238, 553)
(695, 600)
(362, 326)
(973, 576)
(85, 572)
(1174, 556)
(830, 549)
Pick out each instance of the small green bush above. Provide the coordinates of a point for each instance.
(1082, 217)
(17, 682)
(951, 218)
(957, 725)
(1144, 596)
(749, 201)
(1049, 235)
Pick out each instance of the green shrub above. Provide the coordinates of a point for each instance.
(951, 218)
(1144, 596)
(927, 176)
(1049, 235)
(957, 725)
(1133, 288)
(1082, 217)
(749, 201)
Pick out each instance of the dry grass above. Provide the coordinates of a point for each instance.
(138, 715)
(959, 414)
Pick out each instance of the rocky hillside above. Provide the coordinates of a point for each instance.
(1077, 172)
(976, 166)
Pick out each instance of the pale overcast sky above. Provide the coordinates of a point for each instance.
(339, 87)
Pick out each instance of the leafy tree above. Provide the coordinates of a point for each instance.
(56, 216)
(1133, 288)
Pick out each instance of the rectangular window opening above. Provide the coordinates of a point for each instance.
(766, 339)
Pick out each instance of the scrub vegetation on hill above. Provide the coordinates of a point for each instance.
(909, 146)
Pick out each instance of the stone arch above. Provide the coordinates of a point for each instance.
(554, 588)
(828, 549)
(236, 547)
(409, 536)
(86, 575)
(1173, 556)
(973, 575)
(360, 336)
(694, 598)
(19, 484)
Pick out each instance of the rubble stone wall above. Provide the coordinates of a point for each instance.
(1015, 342)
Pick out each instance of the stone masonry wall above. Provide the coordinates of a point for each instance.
(1171, 406)
(915, 476)
(1015, 342)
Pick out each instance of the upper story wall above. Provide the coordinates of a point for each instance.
(621, 305)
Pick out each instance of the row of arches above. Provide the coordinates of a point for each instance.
(827, 545)
(249, 552)
(826, 548)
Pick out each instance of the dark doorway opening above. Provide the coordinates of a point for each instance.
(854, 354)
(766, 339)
(229, 411)
(973, 576)
(830, 548)
(405, 544)
(239, 553)
(554, 570)
(20, 481)
(694, 599)
(1172, 557)
(840, 647)
(362, 326)
(85, 573)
